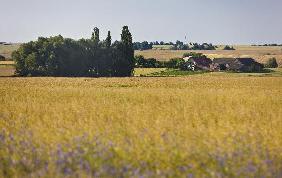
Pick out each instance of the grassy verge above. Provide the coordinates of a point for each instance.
(175, 73)
(266, 73)
(146, 71)
(163, 72)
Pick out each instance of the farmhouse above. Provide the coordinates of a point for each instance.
(197, 63)
(236, 64)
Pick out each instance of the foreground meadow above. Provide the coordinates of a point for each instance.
(194, 126)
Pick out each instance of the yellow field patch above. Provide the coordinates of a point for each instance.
(166, 123)
(7, 62)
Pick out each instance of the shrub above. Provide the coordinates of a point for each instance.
(204, 46)
(162, 64)
(141, 62)
(193, 54)
(175, 63)
(271, 63)
(2, 58)
(228, 48)
(151, 63)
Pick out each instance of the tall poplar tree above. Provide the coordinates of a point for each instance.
(108, 40)
(127, 52)
(96, 35)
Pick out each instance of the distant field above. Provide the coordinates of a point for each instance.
(162, 47)
(261, 54)
(6, 50)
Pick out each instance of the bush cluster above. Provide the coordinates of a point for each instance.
(228, 48)
(141, 62)
(58, 56)
(174, 63)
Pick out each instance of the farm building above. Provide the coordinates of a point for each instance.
(197, 63)
(236, 64)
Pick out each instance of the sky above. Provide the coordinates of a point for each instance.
(212, 21)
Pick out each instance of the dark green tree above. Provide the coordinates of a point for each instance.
(228, 48)
(108, 40)
(96, 35)
(125, 62)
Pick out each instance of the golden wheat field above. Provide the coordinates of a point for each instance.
(193, 126)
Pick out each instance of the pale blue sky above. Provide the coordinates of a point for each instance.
(214, 21)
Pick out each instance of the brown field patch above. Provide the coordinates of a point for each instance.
(7, 70)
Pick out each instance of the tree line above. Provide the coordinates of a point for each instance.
(178, 45)
(58, 56)
(274, 44)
